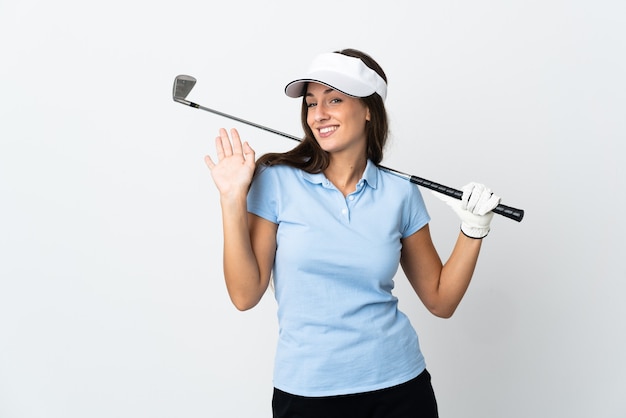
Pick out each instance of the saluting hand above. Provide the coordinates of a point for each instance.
(234, 169)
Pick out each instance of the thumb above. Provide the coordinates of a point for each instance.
(444, 198)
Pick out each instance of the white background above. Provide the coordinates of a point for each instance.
(112, 302)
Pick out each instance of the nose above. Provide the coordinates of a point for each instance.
(320, 112)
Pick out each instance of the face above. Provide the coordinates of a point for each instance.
(337, 120)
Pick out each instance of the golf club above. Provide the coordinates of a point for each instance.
(183, 84)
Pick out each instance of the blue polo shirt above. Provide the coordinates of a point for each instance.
(340, 330)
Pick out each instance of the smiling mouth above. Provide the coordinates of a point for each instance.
(327, 130)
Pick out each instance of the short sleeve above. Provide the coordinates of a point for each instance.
(263, 195)
(415, 215)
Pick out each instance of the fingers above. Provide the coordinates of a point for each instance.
(226, 148)
(489, 203)
(236, 141)
(209, 162)
(472, 195)
(223, 145)
(478, 199)
(248, 154)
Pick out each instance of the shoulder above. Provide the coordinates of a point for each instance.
(396, 183)
(266, 172)
(407, 197)
(276, 177)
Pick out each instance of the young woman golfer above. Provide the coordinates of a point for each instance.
(332, 228)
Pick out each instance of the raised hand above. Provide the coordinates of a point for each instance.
(234, 169)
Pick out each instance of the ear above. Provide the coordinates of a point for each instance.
(367, 115)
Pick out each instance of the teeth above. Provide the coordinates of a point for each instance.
(328, 129)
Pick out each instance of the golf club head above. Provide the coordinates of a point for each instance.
(182, 86)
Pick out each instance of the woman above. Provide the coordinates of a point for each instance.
(333, 228)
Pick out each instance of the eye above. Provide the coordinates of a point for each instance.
(336, 100)
(309, 105)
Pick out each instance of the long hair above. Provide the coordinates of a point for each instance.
(310, 157)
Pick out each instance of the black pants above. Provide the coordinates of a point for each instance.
(413, 399)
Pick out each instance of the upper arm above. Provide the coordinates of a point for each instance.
(421, 265)
(263, 241)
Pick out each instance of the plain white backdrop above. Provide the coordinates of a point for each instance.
(112, 302)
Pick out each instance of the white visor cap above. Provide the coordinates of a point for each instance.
(348, 75)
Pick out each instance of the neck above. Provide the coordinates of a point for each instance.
(345, 173)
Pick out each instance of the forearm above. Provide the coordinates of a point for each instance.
(456, 274)
(241, 269)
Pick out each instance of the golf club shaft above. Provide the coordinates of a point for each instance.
(504, 210)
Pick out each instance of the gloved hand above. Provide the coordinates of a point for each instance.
(474, 208)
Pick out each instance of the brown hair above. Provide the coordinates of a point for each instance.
(308, 155)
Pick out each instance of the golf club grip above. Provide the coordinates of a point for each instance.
(507, 211)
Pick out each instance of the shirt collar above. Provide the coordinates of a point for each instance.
(370, 176)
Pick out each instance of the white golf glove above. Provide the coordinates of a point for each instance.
(474, 208)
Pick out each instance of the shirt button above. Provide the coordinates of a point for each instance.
(351, 197)
(344, 211)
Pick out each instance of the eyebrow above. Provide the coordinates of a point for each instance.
(328, 90)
